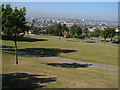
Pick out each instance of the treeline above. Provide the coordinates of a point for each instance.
(77, 32)
(68, 32)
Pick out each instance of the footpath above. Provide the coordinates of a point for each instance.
(75, 40)
(62, 59)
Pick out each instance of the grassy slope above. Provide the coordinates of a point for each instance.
(66, 77)
(90, 52)
(87, 39)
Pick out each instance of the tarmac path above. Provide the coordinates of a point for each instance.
(74, 40)
(62, 59)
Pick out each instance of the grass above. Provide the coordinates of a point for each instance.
(89, 52)
(33, 72)
(88, 39)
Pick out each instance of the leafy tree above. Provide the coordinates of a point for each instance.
(13, 24)
(58, 28)
(79, 30)
(49, 30)
(108, 33)
(64, 30)
(105, 34)
(73, 30)
(68, 35)
(111, 32)
(81, 37)
(97, 32)
(86, 31)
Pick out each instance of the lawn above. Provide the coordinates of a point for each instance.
(100, 39)
(89, 52)
(34, 72)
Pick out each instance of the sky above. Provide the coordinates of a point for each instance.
(107, 11)
(60, 0)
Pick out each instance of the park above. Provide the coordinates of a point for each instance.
(54, 61)
(81, 77)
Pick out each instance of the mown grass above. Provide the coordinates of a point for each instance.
(100, 39)
(33, 72)
(89, 52)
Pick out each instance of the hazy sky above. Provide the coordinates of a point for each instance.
(86, 10)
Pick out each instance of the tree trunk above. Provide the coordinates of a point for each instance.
(111, 40)
(97, 38)
(105, 40)
(16, 55)
(83, 40)
(59, 36)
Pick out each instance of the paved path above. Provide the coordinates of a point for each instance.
(74, 40)
(62, 59)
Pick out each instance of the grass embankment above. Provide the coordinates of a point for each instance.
(89, 52)
(33, 72)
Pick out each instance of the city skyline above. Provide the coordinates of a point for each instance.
(107, 11)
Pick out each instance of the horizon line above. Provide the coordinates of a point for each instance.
(71, 18)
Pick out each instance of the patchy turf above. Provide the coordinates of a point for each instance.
(89, 52)
(33, 72)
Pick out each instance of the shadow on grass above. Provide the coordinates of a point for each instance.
(69, 65)
(105, 40)
(24, 80)
(73, 40)
(116, 42)
(3, 46)
(24, 39)
(13, 53)
(37, 51)
(47, 51)
(90, 41)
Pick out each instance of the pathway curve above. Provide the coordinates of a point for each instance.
(61, 59)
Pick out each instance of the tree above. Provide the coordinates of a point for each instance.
(64, 30)
(97, 32)
(49, 30)
(73, 30)
(13, 24)
(86, 31)
(111, 32)
(81, 37)
(79, 30)
(58, 28)
(105, 34)
(108, 33)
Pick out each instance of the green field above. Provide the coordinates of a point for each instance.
(33, 72)
(86, 39)
(89, 52)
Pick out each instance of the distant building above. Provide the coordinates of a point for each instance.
(91, 29)
(83, 20)
(117, 30)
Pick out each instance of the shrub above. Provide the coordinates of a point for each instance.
(69, 35)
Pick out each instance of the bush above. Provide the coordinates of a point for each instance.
(69, 35)
(117, 39)
(94, 35)
(81, 36)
